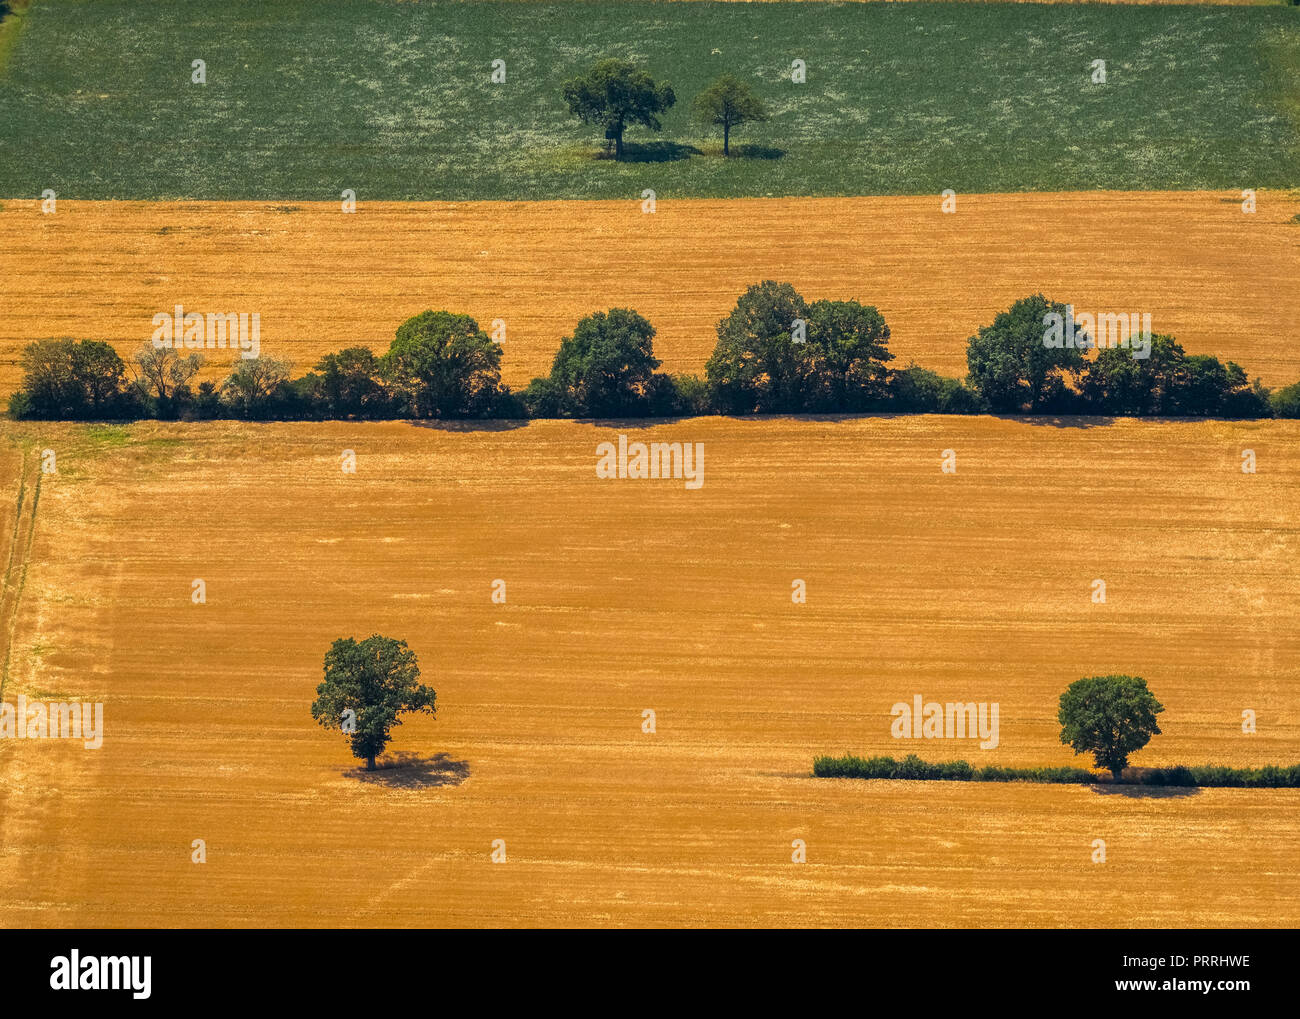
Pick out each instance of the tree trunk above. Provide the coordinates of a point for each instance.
(726, 139)
(618, 146)
(370, 763)
(1116, 773)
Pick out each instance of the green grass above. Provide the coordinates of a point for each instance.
(393, 100)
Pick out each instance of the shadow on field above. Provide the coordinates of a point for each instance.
(471, 424)
(752, 151)
(1144, 792)
(1058, 421)
(405, 770)
(653, 152)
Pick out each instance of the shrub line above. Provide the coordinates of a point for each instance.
(912, 768)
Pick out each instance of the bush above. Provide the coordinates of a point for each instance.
(1285, 403)
(678, 396)
(542, 398)
(917, 390)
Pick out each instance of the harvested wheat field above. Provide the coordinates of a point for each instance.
(627, 595)
(1220, 280)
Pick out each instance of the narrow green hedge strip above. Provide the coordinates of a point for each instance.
(912, 767)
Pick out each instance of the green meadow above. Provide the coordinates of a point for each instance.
(395, 100)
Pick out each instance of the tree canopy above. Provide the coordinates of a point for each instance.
(1011, 367)
(607, 366)
(445, 365)
(728, 103)
(776, 353)
(1109, 717)
(367, 685)
(615, 93)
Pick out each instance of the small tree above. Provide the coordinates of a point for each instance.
(351, 383)
(1109, 717)
(728, 103)
(614, 94)
(367, 685)
(159, 371)
(252, 381)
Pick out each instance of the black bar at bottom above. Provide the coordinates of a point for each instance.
(1222, 969)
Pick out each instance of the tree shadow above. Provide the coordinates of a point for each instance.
(752, 151)
(406, 770)
(1134, 791)
(1059, 420)
(469, 424)
(654, 152)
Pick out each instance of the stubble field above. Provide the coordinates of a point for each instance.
(1221, 280)
(625, 596)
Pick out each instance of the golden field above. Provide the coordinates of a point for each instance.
(1222, 281)
(633, 595)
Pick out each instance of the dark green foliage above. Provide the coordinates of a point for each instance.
(1109, 717)
(607, 367)
(1011, 367)
(917, 390)
(1285, 403)
(367, 685)
(616, 93)
(843, 363)
(542, 398)
(73, 379)
(351, 385)
(679, 396)
(1170, 383)
(778, 354)
(753, 368)
(444, 366)
(913, 768)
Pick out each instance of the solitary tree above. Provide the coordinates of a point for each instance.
(446, 365)
(1109, 717)
(728, 103)
(367, 685)
(614, 94)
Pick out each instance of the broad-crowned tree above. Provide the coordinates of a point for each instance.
(368, 684)
(1109, 717)
(615, 93)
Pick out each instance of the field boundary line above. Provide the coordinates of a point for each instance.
(15, 575)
